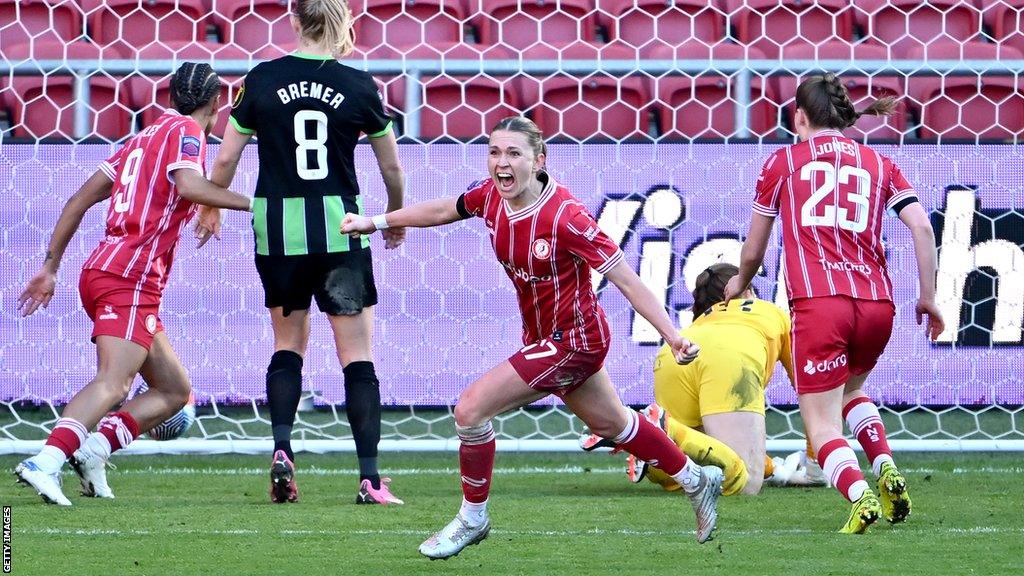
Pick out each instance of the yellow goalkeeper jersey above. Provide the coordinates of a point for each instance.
(740, 344)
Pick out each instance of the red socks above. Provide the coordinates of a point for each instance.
(865, 422)
(839, 463)
(119, 428)
(476, 461)
(67, 436)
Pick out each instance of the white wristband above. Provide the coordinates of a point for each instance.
(380, 222)
(252, 202)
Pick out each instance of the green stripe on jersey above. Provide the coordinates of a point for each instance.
(334, 212)
(294, 226)
(364, 239)
(241, 129)
(382, 132)
(259, 225)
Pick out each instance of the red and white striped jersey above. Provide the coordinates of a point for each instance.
(831, 193)
(548, 250)
(146, 214)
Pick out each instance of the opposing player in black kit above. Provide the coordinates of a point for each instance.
(308, 111)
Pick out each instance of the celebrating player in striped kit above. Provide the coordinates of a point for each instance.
(155, 181)
(548, 243)
(831, 194)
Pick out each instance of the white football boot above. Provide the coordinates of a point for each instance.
(454, 537)
(808, 473)
(92, 472)
(46, 484)
(705, 502)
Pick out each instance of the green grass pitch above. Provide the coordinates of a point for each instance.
(551, 513)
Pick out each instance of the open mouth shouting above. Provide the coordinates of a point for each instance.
(506, 180)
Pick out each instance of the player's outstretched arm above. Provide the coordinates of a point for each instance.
(40, 288)
(646, 304)
(422, 215)
(751, 255)
(193, 186)
(916, 219)
(224, 168)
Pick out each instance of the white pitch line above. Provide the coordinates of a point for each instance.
(524, 470)
(313, 471)
(496, 531)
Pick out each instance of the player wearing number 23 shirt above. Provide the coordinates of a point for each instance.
(831, 193)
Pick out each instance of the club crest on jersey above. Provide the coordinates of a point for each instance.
(190, 146)
(541, 249)
(238, 96)
(151, 324)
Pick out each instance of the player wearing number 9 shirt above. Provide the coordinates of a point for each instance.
(308, 111)
(154, 182)
(831, 194)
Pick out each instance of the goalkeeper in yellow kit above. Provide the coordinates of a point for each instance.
(713, 408)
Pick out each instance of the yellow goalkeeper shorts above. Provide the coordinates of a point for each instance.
(717, 382)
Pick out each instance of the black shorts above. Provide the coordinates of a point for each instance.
(341, 282)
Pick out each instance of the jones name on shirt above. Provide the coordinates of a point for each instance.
(306, 89)
(835, 146)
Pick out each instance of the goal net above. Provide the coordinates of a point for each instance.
(662, 137)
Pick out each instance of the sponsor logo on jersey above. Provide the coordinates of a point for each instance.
(557, 335)
(151, 324)
(812, 368)
(108, 313)
(541, 249)
(190, 146)
(524, 275)
(845, 267)
(238, 96)
(590, 233)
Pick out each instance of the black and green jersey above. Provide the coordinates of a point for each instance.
(307, 113)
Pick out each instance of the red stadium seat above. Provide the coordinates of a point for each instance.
(863, 89)
(771, 25)
(403, 23)
(254, 24)
(27, 21)
(648, 23)
(968, 107)
(520, 24)
(129, 25)
(461, 107)
(1005, 18)
(904, 24)
(151, 95)
(595, 105)
(704, 106)
(44, 107)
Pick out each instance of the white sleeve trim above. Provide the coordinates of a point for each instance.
(765, 211)
(610, 263)
(108, 169)
(183, 164)
(899, 198)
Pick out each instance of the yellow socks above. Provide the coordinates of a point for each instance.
(704, 450)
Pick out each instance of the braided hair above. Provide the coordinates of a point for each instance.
(827, 103)
(710, 288)
(193, 86)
